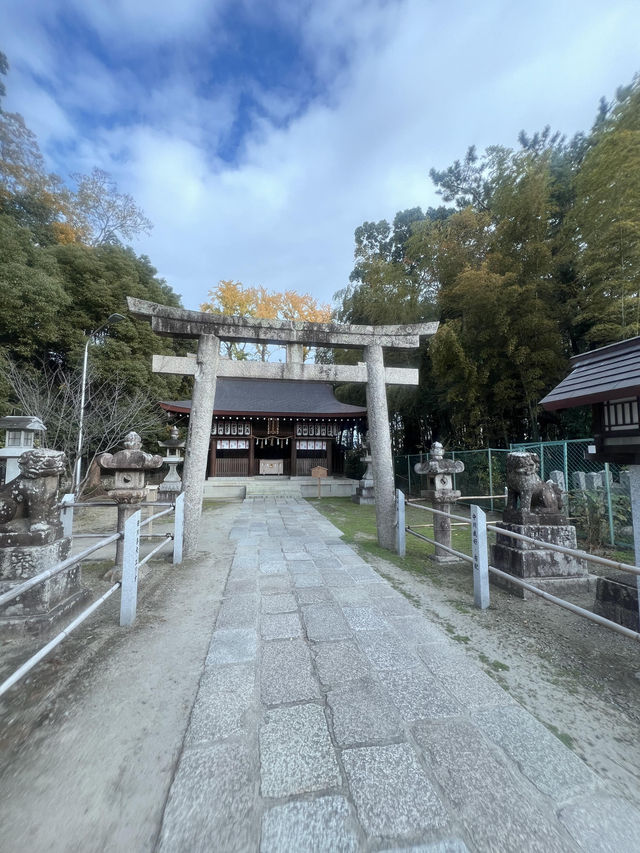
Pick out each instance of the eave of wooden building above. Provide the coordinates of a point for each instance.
(607, 373)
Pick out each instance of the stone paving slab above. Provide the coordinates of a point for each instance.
(365, 619)
(418, 695)
(393, 796)
(286, 673)
(280, 626)
(225, 697)
(546, 762)
(385, 650)
(238, 611)
(451, 845)
(362, 714)
(494, 805)
(603, 824)
(212, 804)
(332, 715)
(232, 645)
(327, 823)
(283, 602)
(325, 622)
(339, 662)
(296, 753)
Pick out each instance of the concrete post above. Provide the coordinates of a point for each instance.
(197, 449)
(380, 438)
(131, 553)
(607, 477)
(66, 514)
(178, 530)
(401, 533)
(634, 484)
(480, 558)
(125, 512)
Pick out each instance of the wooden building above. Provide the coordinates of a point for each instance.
(276, 427)
(608, 380)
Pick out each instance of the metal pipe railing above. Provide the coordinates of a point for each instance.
(112, 504)
(44, 651)
(601, 620)
(128, 585)
(459, 554)
(168, 538)
(157, 515)
(98, 535)
(55, 570)
(561, 549)
(439, 512)
(480, 497)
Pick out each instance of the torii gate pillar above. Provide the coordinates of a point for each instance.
(197, 449)
(380, 439)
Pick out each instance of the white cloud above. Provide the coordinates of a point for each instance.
(145, 21)
(409, 85)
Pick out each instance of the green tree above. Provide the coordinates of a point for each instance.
(606, 218)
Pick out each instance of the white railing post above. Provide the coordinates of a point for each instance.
(131, 555)
(401, 535)
(66, 514)
(178, 529)
(480, 557)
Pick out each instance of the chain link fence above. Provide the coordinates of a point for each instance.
(598, 496)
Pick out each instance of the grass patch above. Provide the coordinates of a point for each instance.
(495, 665)
(358, 525)
(566, 739)
(459, 606)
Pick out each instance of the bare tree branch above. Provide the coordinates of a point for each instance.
(54, 394)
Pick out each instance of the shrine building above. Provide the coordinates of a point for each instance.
(267, 427)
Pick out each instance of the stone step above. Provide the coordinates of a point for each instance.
(255, 490)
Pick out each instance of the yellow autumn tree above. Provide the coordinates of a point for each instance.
(236, 299)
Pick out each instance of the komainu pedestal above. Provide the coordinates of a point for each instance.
(534, 509)
(31, 541)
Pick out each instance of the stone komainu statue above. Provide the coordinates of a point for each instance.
(526, 491)
(30, 501)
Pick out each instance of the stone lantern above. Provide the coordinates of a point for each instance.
(129, 467)
(439, 472)
(365, 493)
(171, 486)
(22, 435)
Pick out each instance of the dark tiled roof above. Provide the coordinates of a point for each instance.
(273, 397)
(608, 373)
(21, 422)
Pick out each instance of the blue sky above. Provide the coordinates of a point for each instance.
(258, 135)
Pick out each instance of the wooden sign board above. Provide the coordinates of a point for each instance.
(319, 472)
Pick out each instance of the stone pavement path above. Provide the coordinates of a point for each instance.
(333, 716)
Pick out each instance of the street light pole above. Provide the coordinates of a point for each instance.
(77, 471)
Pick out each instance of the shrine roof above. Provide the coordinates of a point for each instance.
(273, 397)
(607, 373)
(22, 422)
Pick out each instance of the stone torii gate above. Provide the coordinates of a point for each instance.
(210, 329)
